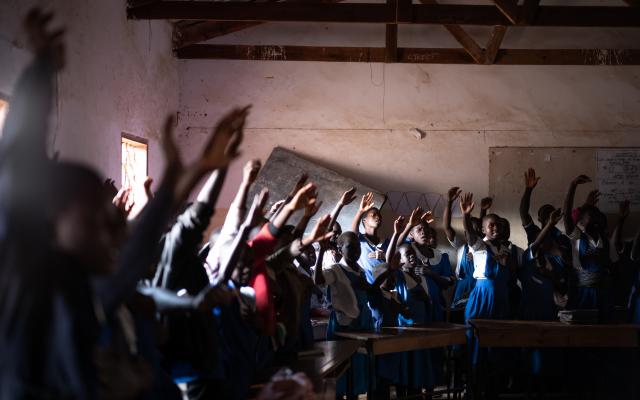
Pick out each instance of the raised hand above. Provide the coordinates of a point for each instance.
(256, 212)
(466, 203)
(530, 178)
(303, 196)
(319, 232)
(623, 209)
(582, 179)
(398, 225)
(486, 203)
(147, 188)
(121, 201)
(593, 197)
(299, 184)
(427, 217)
(366, 203)
(453, 194)
(556, 216)
(223, 144)
(348, 197)
(415, 217)
(312, 207)
(250, 171)
(43, 40)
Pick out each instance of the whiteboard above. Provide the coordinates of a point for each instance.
(618, 177)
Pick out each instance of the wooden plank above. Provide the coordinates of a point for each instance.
(410, 55)
(381, 13)
(529, 11)
(206, 30)
(493, 45)
(391, 41)
(509, 8)
(492, 333)
(467, 42)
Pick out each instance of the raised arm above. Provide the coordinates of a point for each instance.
(485, 205)
(249, 175)
(452, 195)
(310, 209)
(347, 198)
(298, 201)
(366, 203)
(530, 182)
(414, 219)
(554, 218)
(393, 243)
(568, 203)
(466, 207)
(616, 236)
(299, 185)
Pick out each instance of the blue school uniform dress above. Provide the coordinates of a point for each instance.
(440, 264)
(417, 369)
(370, 265)
(538, 300)
(466, 282)
(591, 261)
(489, 299)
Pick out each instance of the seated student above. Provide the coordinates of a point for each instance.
(354, 299)
(532, 230)
(372, 247)
(592, 255)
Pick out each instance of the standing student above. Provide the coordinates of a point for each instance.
(592, 254)
(514, 265)
(372, 247)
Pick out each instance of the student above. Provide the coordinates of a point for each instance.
(532, 230)
(354, 299)
(372, 247)
(514, 264)
(592, 254)
(489, 298)
(417, 368)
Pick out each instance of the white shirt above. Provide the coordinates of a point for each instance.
(343, 297)
(576, 240)
(458, 245)
(480, 255)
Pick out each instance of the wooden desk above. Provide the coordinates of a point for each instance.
(335, 353)
(505, 333)
(401, 339)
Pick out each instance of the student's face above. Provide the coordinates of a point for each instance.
(372, 219)
(418, 234)
(308, 256)
(490, 228)
(85, 229)
(350, 249)
(408, 256)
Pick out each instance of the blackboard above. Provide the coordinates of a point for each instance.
(283, 168)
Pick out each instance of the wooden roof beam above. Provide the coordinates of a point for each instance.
(569, 16)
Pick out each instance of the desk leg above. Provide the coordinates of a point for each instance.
(372, 372)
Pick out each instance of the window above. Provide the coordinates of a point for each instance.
(134, 168)
(4, 107)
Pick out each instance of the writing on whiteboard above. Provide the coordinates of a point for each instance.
(618, 177)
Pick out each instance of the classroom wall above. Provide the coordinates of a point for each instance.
(120, 77)
(356, 118)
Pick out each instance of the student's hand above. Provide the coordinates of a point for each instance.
(44, 41)
(299, 184)
(582, 179)
(486, 203)
(427, 217)
(348, 197)
(312, 207)
(593, 197)
(623, 209)
(556, 216)
(398, 225)
(256, 213)
(319, 232)
(415, 217)
(453, 194)
(121, 201)
(148, 181)
(377, 255)
(466, 203)
(366, 203)
(530, 178)
(250, 171)
(222, 146)
(303, 196)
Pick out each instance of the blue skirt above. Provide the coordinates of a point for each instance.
(486, 301)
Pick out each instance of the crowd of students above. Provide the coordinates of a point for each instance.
(95, 302)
